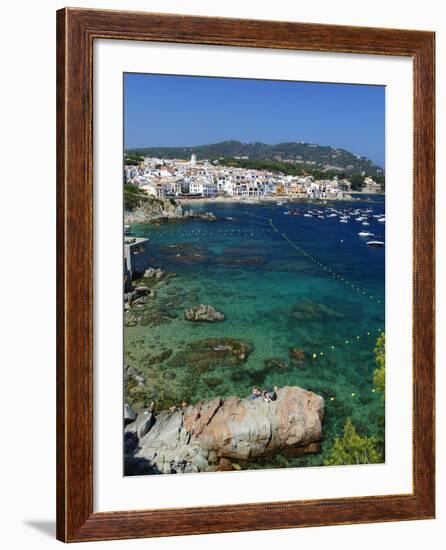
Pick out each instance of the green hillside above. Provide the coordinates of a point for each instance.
(305, 155)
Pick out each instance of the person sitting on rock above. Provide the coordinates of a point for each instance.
(255, 394)
(269, 395)
(172, 409)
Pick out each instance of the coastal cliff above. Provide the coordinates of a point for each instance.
(216, 434)
(162, 210)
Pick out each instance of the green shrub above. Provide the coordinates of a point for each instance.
(356, 182)
(132, 159)
(352, 448)
(379, 375)
(133, 195)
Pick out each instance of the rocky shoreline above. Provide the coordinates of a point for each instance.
(162, 211)
(221, 434)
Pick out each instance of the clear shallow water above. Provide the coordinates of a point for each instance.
(323, 292)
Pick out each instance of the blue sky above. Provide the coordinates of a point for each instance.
(162, 110)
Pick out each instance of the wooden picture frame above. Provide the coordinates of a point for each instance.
(76, 31)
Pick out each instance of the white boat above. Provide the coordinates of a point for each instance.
(365, 234)
(382, 220)
(375, 243)
(279, 203)
(365, 223)
(359, 219)
(308, 216)
(343, 220)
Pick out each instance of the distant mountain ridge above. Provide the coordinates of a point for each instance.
(296, 152)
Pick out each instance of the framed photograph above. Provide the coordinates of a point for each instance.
(245, 275)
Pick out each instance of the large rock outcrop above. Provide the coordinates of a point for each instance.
(196, 438)
(160, 210)
(154, 209)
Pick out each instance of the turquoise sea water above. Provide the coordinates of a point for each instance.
(282, 281)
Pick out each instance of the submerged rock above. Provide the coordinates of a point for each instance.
(275, 363)
(221, 430)
(297, 355)
(307, 310)
(210, 353)
(240, 255)
(156, 359)
(205, 313)
(130, 319)
(185, 253)
(212, 382)
(155, 316)
(248, 260)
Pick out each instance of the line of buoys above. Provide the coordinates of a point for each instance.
(321, 354)
(275, 230)
(246, 232)
(344, 342)
(255, 216)
(318, 355)
(335, 274)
